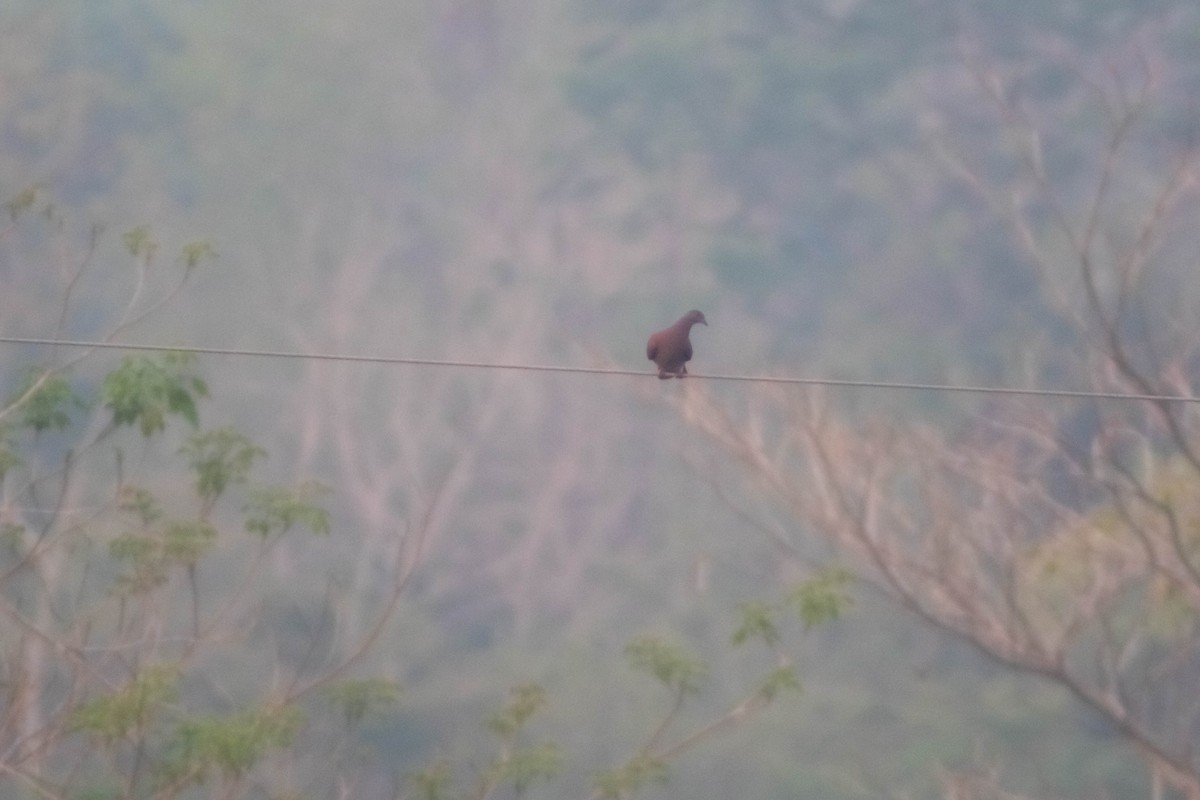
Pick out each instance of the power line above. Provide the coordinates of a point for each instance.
(435, 362)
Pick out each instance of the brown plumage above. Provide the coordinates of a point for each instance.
(671, 348)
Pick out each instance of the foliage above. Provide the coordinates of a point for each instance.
(229, 745)
(757, 622)
(142, 586)
(144, 391)
(196, 252)
(121, 591)
(432, 783)
(521, 766)
(220, 458)
(526, 700)
(49, 405)
(669, 663)
(140, 243)
(131, 588)
(275, 509)
(185, 541)
(1057, 537)
(822, 598)
(681, 673)
(778, 160)
(147, 565)
(149, 554)
(624, 781)
(524, 766)
(141, 503)
(782, 679)
(126, 713)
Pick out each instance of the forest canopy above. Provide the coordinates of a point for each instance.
(469, 582)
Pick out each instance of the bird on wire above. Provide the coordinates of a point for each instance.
(671, 348)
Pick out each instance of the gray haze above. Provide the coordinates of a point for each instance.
(547, 183)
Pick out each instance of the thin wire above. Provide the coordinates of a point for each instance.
(435, 362)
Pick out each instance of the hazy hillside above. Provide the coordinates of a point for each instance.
(546, 183)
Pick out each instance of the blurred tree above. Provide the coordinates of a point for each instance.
(1060, 537)
(107, 656)
(117, 598)
(131, 655)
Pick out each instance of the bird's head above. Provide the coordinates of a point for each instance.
(694, 316)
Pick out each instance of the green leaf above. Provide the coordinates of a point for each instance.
(139, 243)
(179, 401)
(525, 700)
(185, 541)
(118, 715)
(230, 745)
(139, 502)
(143, 555)
(144, 391)
(669, 663)
(132, 547)
(48, 407)
(220, 458)
(822, 598)
(195, 252)
(757, 622)
(782, 679)
(276, 509)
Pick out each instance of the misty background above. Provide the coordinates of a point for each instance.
(547, 183)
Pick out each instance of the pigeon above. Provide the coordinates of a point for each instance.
(671, 348)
